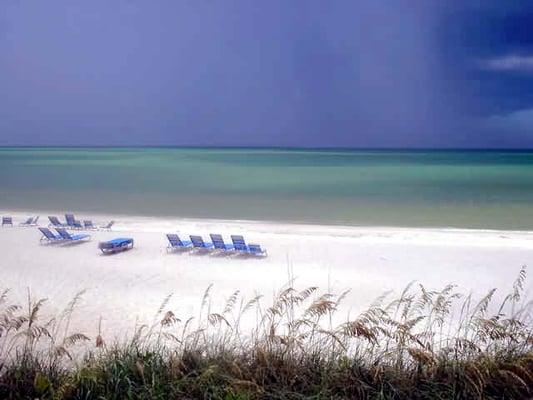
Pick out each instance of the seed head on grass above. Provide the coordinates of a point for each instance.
(413, 346)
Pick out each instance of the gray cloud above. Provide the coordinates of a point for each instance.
(510, 62)
(518, 120)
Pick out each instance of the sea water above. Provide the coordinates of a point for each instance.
(463, 189)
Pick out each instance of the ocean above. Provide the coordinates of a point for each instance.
(459, 189)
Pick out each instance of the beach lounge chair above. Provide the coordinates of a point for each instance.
(72, 238)
(198, 243)
(55, 222)
(28, 222)
(239, 243)
(219, 244)
(77, 225)
(7, 221)
(88, 224)
(116, 245)
(108, 226)
(49, 236)
(176, 243)
(256, 250)
(72, 222)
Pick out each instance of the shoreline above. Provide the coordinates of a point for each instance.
(361, 234)
(274, 225)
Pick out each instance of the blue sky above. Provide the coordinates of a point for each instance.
(277, 73)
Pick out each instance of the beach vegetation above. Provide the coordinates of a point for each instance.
(419, 344)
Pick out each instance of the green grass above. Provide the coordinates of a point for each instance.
(425, 344)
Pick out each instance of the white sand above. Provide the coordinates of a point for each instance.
(131, 285)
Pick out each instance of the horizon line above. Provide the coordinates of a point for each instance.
(316, 148)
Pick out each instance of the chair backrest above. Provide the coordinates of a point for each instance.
(70, 219)
(28, 221)
(88, 224)
(77, 224)
(7, 221)
(217, 240)
(197, 241)
(238, 242)
(255, 249)
(54, 221)
(174, 239)
(108, 226)
(36, 219)
(63, 233)
(47, 233)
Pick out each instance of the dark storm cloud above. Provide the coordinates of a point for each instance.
(488, 48)
(277, 73)
(492, 45)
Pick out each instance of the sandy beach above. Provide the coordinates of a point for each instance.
(128, 288)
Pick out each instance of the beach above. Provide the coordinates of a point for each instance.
(127, 289)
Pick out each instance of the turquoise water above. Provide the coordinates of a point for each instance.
(388, 188)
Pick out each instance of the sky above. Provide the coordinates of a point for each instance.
(373, 73)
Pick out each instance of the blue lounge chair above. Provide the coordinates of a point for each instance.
(77, 225)
(239, 243)
(55, 222)
(88, 224)
(116, 245)
(176, 243)
(7, 221)
(72, 222)
(219, 244)
(28, 222)
(49, 236)
(72, 238)
(108, 226)
(256, 250)
(198, 243)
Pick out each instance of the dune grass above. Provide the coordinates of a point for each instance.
(424, 344)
